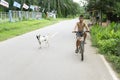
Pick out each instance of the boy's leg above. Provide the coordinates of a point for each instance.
(77, 46)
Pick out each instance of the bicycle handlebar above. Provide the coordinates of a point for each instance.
(78, 31)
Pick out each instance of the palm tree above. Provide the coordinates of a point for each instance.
(63, 7)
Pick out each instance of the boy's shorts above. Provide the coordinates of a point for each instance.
(79, 34)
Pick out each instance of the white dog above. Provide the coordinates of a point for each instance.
(42, 39)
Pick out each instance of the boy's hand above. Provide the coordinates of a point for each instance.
(73, 31)
(87, 31)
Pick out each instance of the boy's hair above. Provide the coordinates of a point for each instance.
(81, 16)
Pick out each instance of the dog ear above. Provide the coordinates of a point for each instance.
(37, 37)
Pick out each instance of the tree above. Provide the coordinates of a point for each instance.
(63, 7)
(108, 7)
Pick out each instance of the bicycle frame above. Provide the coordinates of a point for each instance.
(81, 47)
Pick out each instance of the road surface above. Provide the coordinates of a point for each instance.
(21, 58)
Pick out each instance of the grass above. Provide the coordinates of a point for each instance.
(9, 30)
(112, 62)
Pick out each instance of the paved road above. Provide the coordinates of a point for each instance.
(22, 59)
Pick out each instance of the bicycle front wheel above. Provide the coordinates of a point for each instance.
(82, 50)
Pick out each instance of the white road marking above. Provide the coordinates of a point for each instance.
(54, 34)
(112, 73)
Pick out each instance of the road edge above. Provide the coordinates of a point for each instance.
(111, 71)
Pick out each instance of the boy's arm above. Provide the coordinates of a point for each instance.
(87, 27)
(75, 27)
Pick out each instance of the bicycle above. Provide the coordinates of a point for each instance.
(81, 46)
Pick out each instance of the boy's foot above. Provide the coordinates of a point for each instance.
(76, 51)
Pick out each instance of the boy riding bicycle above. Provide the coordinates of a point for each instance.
(80, 31)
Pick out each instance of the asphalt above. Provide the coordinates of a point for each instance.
(21, 57)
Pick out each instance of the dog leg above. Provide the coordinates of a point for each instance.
(38, 38)
(47, 43)
(40, 44)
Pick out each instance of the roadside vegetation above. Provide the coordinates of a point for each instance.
(9, 30)
(107, 40)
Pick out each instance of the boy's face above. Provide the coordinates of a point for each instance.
(81, 19)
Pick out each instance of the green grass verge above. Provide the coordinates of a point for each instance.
(9, 30)
(114, 62)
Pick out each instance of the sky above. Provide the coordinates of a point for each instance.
(79, 1)
(76, 0)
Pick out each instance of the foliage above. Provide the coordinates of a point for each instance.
(115, 60)
(62, 7)
(107, 46)
(107, 39)
(111, 8)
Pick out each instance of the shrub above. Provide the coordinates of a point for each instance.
(108, 46)
(70, 16)
(43, 15)
(115, 60)
(107, 39)
(118, 48)
(96, 34)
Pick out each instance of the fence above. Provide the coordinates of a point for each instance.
(14, 16)
(4, 17)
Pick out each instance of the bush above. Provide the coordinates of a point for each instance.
(43, 15)
(104, 18)
(108, 46)
(118, 48)
(103, 33)
(115, 60)
(107, 39)
(70, 16)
